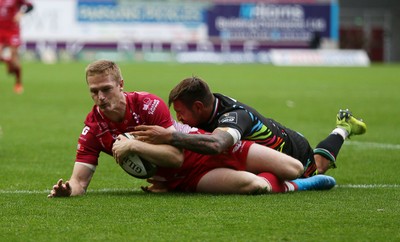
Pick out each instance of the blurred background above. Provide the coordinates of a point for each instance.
(278, 32)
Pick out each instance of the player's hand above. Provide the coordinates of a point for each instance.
(152, 134)
(60, 190)
(155, 187)
(121, 148)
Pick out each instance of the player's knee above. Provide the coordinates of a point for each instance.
(297, 171)
(292, 171)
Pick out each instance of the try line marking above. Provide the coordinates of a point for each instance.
(89, 191)
(105, 190)
(369, 185)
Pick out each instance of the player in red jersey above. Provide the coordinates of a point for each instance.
(116, 112)
(11, 12)
(245, 168)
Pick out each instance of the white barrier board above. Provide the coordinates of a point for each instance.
(300, 57)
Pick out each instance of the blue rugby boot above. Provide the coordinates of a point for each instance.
(317, 182)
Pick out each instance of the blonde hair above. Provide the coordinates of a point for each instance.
(104, 67)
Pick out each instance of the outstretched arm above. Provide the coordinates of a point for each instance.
(77, 184)
(214, 143)
(159, 154)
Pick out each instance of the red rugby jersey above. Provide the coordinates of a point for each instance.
(8, 9)
(99, 132)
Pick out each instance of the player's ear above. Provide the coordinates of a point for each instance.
(198, 106)
(121, 85)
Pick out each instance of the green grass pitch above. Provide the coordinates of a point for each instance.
(39, 132)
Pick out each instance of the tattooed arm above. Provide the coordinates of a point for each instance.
(209, 144)
(214, 143)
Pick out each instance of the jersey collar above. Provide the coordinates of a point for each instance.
(214, 112)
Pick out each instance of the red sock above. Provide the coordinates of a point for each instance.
(277, 185)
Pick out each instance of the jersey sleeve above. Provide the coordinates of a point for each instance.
(237, 119)
(88, 149)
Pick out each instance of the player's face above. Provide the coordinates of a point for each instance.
(106, 93)
(186, 115)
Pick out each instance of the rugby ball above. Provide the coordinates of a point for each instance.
(136, 166)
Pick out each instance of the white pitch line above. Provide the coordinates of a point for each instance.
(369, 186)
(373, 145)
(89, 191)
(22, 192)
(363, 186)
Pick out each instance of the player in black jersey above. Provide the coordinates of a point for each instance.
(230, 120)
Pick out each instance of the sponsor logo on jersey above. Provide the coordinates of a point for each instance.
(154, 106)
(146, 103)
(150, 105)
(229, 118)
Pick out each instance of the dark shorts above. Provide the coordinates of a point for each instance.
(301, 150)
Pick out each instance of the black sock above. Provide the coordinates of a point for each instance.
(332, 144)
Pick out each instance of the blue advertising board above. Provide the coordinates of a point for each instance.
(284, 24)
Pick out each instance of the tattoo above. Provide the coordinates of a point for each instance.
(202, 143)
